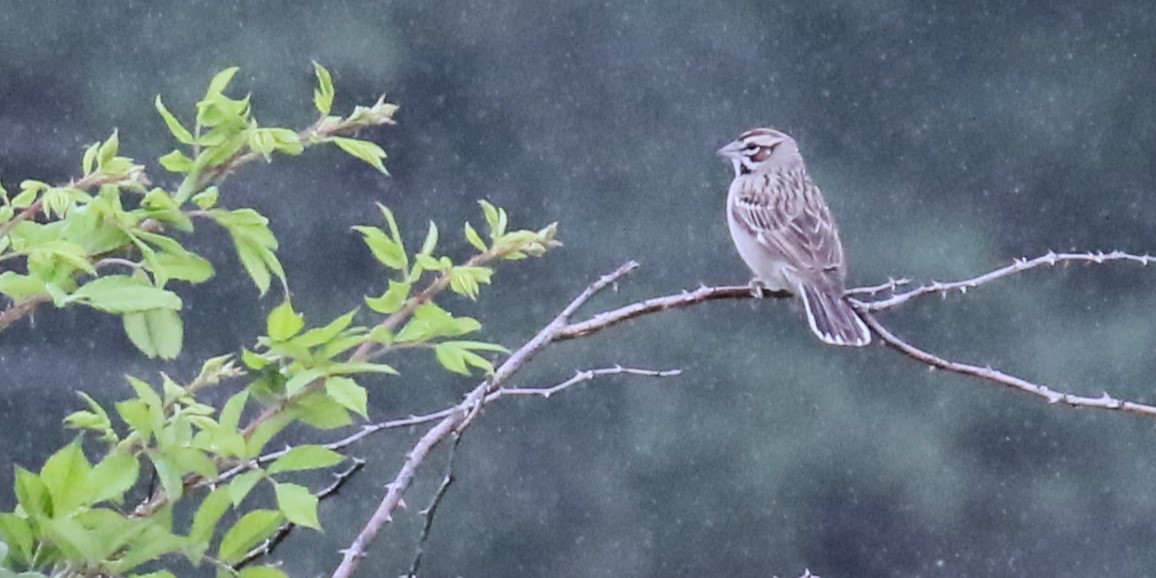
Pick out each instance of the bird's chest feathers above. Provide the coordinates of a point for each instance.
(768, 266)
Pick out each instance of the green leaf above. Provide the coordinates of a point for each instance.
(112, 477)
(387, 251)
(20, 287)
(146, 540)
(135, 413)
(474, 238)
(252, 258)
(76, 541)
(266, 431)
(95, 419)
(221, 81)
(346, 341)
(298, 505)
(320, 335)
(230, 416)
(123, 294)
(253, 360)
(183, 266)
(360, 367)
(212, 508)
(250, 530)
(394, 232)
(89, 161)
(367, 151)
(60, 251)
(108, 150)
(156, 333)
(491, 214)
(346, 392)
(16, 532)
(180, 132)
(323, 94)
(283, 322)
(452, 358)
(241, 485)
(194, 460)
(430, 321)
(262, 143)
(170, 474)
(64, 475)
(29, 190)
(308, 457)
(466, 280)
(321, 411)
(32, 494)
(176, 162)
(458, 356)
(431, 240)
(302, 379)
(428, 262)
(207, 199)
(254, 242)
(392, 300)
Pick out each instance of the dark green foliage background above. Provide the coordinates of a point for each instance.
(949, 138)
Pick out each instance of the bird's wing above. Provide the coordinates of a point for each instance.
(791, 220)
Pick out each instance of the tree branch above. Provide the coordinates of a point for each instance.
(453, 421)
(458, 419)
(1105, 401)
(1018, 266)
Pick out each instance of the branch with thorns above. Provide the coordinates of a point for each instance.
(453, 421)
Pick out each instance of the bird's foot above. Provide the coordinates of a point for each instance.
(757, 287)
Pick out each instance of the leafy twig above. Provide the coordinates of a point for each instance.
(460, 418)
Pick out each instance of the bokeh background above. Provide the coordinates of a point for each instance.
(950, 137)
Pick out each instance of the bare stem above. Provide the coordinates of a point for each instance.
(1105, 401)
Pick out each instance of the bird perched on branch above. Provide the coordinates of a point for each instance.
(785, 233)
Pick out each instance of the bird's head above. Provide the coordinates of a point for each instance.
(762, 150)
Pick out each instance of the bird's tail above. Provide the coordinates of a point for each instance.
(832, 319)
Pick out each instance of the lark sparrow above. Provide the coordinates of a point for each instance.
(785, 233)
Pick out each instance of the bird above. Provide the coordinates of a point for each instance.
(785, 233)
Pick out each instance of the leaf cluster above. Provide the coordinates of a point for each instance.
(82, 516)
(112, 241)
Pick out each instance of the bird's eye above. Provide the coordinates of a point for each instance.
(760, 153)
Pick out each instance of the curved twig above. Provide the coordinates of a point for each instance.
(1105, 401)
(1018, 266)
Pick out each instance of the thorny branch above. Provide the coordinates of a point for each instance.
(264, 549)
(460, 418)
(432, 509)
(453, 421)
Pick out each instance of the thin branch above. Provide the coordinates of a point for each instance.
(431, 511)
(18, 311)
(367, 430)
(27, 213)
(892, 285)
(583, 376)
(453, 423)
(685, 299)
(339, 480)
(1018, 266)
(1105, 401)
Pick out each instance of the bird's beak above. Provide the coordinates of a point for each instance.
(731, 150)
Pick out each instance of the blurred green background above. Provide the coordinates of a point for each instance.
(949, 137)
